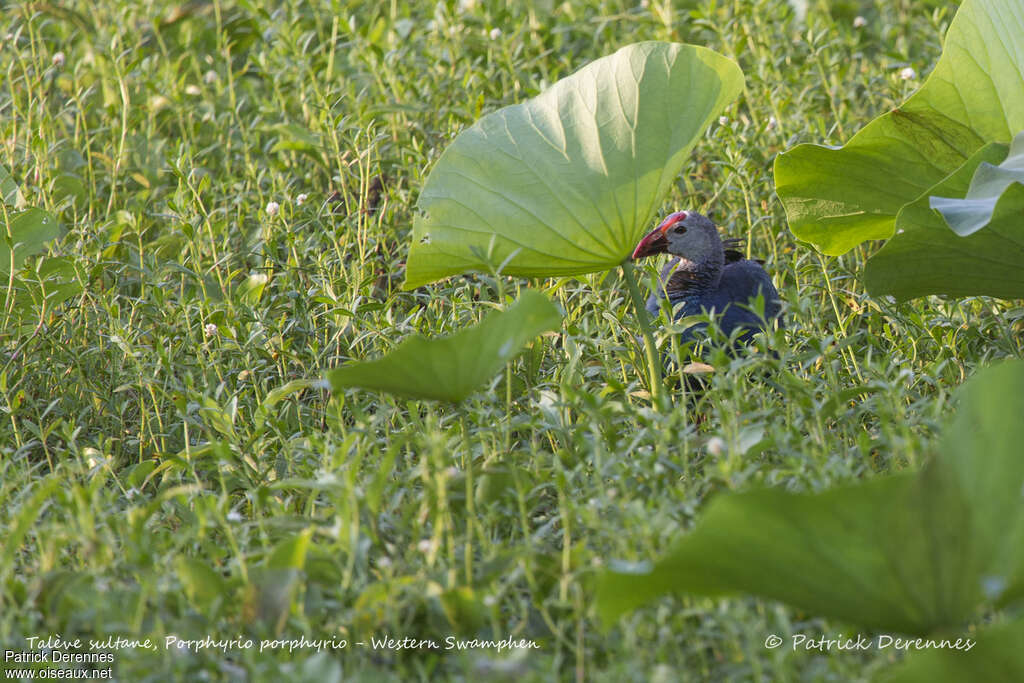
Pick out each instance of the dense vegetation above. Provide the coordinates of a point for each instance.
(235, 184)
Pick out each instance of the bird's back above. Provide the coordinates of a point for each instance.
(731, 300)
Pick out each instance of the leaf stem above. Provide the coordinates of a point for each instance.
(653, 362)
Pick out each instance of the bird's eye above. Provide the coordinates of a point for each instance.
(679, 229)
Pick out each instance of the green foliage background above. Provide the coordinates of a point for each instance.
(164, 470)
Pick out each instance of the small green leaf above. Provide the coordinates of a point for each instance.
(293, 137)
(202, 585)
(250, 290)
(838, 198)
(275, 396)
(23, 513)
(567, 182)
(26, 233)
(450, 368)
(9, 193)
(39, 290)
(70, 186)
(290, 553)
(273, 586)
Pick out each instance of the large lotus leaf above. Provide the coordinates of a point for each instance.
(968, 214)
(567, 182)
(926, 257)
(995, 656)
(906, 553)
(450, 368)
(885, 554)
(837, 198)
(982, 450)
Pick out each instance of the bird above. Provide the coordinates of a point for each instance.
(708, 275)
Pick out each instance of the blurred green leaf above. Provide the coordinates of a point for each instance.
(70, 186)
(24, 512)
(450, 368)
(38, 291)
(202, 585)
(25, 234)
(292, 136)
(838, 198)
(250, 290)
(9, 193)
(996, 657)
(291, 552)
(567, 182)
(271, 591)
(907, 553)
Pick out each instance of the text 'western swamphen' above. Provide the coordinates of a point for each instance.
(706, 276)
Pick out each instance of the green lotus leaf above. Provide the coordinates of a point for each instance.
(994, 656)
(838, 198)
(904, 553)
(567, 182)
(927, 257)
(451, 368)
(968, 214)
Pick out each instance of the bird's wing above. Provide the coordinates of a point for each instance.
(732, 256)
(743, 280)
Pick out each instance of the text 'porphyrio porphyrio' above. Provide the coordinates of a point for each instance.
(708, 277)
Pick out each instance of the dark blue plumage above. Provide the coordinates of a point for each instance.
(708, 277)
(731, 301)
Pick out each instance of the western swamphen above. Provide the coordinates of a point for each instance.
(708, 276)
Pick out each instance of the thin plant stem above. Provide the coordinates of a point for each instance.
(651, 351)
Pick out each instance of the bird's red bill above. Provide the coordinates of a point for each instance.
(656, 242)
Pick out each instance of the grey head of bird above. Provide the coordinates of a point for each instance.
(687, 234)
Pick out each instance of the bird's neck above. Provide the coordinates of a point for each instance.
(695, 277)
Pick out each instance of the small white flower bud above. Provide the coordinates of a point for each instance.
(273, 208)
(859, 22)
(716, 446)
(210, 329)
(192, 90)
(908, 73)
(58, 59)
(301, 199)
(495, 33)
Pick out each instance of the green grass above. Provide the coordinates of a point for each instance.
(150, 483)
